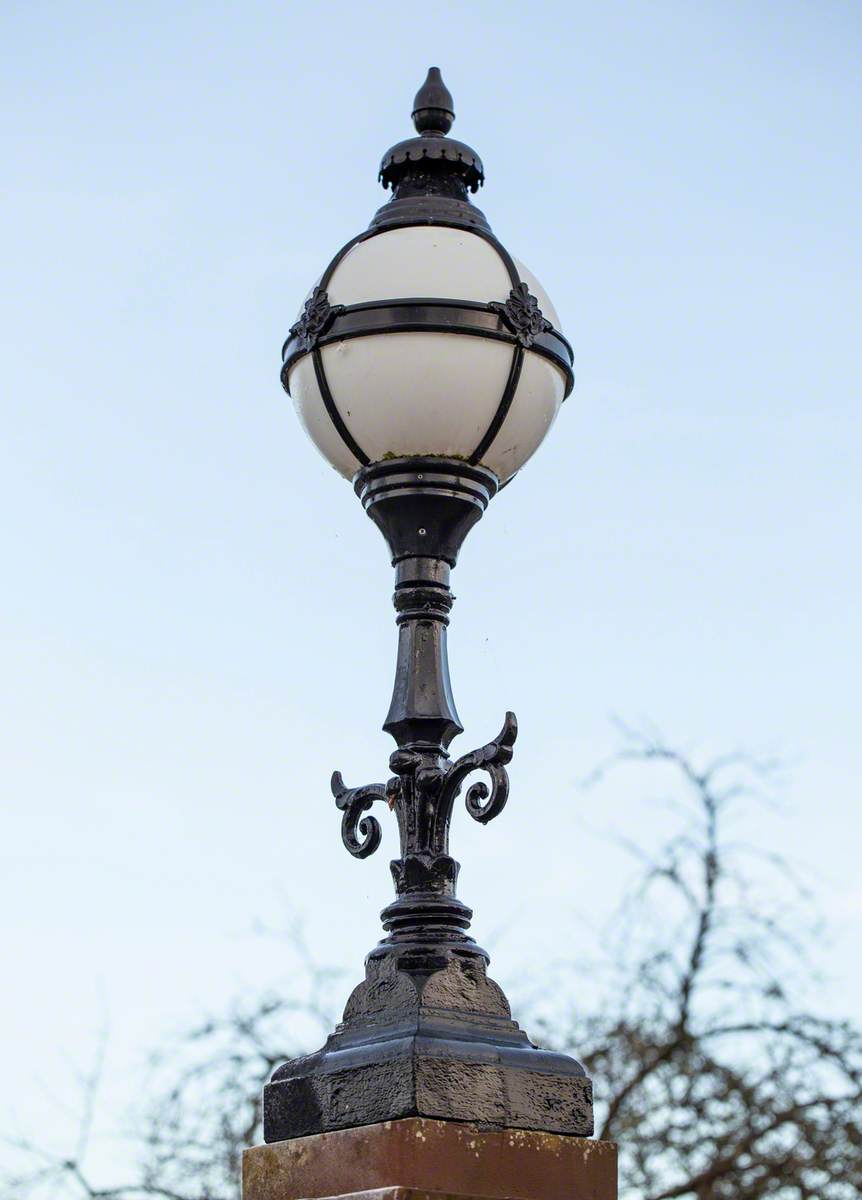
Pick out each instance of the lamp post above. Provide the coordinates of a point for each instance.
(427, 365)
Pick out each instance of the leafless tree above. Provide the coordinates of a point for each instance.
(712, 1073)
(711, 1070)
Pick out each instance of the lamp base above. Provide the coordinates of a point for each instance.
(419, 1040)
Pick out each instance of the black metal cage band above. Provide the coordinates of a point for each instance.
(503, 407)
(502, 253)
(332, 408)
(327, 324)
(426, 315)
(377, 230)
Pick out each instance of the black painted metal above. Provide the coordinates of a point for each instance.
(332, 408)
(503, 407)
(425, 507)
(316, 317)
(434, 1042)
(339, 323)
(419, 503)
(433, 106)
(427, 1033)
(432, 161)
(426, 208)
(432, 175)
(521, 313)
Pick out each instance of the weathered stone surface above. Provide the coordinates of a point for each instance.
(399, 1193)
(435, 1043)
(406, 1193)
(420, 1159)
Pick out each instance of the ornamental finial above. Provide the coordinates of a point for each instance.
(431, 169)
(433, 107)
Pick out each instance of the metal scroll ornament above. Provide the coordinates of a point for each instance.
(360, 834)
(431, 787)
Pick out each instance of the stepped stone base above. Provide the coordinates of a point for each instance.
(421, 1159)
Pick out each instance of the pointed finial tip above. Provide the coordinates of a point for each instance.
(433, 107)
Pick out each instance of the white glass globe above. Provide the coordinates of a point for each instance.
(427, 393)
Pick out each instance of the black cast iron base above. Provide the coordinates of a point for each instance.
(439, 1043)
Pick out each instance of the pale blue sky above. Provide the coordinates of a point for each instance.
(195, 612)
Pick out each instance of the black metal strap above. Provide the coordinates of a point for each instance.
(504, 405)
(332, 408)
(427, 315)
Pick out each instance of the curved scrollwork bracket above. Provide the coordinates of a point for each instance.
(360, 834)
(493, 758)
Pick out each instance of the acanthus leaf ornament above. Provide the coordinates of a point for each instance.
(314, 320)
(522, 315)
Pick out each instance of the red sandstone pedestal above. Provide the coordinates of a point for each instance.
(421, 1159)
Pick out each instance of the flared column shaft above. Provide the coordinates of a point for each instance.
(422, 715)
